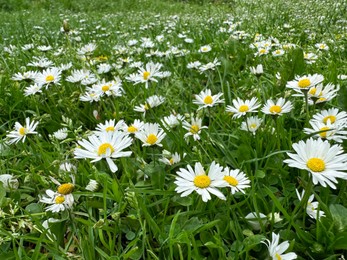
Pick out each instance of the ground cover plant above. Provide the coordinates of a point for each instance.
(173, 130)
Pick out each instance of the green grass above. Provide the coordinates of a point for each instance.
(136, 212)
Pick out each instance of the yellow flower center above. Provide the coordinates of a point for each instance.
(132, 129)
(105, 88)
(321, 100)
(275, 109)
(278, 52)
(253, 126)
(316, 165)
(59, 199)
(194, 129)
(278, 257)
(243, 108)
(110, 129)
(146, 75)
(208, 100)
(66, 188)
(312, 91)
(332, 119)
(231, 180)
(171, 161)
(324, 134)
(49, 78)
(151, 139)
(146, 106)
(104, 148)
(262, 51)
(22, 131)
(202, 181)
(304, 83)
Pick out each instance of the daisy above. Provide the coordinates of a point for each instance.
(58, 202)
(145, 74)
(86, 77)
(322, 46)
(189, 180)
(90, 97)
(41, 62)
(256, 220)
(61, 134)
(109, 126)
(209, 66)
(108, 145)
(92, 185)
(9, 182)
(320, 93)
(236, 180)
(48, 76)
(279, 108)
(310, 57)
(170, 159)
(252, 124)
(326, 131)
(21, 132)
(334, 115)
(205, 99)
(172, 120)
(32, 90)
(257, 70)
(151, 102)
(104, 68)
(110, 88)
(194, 65)
(304, 83)
(194, 128)
(278, 52)
(134, 127)
(67, 167)
(324, 162)
(312, 206)
(27, 76)
(241, 107)
(205, 48)
(150, 134)
(276, 250)
(87, 49)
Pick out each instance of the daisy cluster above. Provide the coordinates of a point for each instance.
(106, 116)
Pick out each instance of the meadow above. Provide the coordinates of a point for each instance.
(173, 129)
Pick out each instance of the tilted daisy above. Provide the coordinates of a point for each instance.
(236, 180)
(134, 127)
(326, 131)
(20, 132)
(27, 76)
(58, 202)
(334, 115)
(110, 88)
(109, 126)
(206, 99)
(170, 158)
(145, 74)
(321, 93)
(304, 83)
(276, 250)
(323, 161)
(108, 145)
(48, 77)
(279, 107)
(150, 134)
(189, 180)
(252, 124)
(194, 128)
(32, 90)
(172, 120)
(240, 107)
(151, 102)
(312, 206)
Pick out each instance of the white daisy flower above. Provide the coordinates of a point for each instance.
(194, 65)
(134, 127)
(61, 134)
(206, 99)
(58, 202)
(324, 162)
(322, 46)
(48, 76)
(205, 48)
(252, 124)
(145, 74)
(276, 250)
(92, 185)
(87, 49)
(170, 158)
(9, 182)
(310, 57)
(305, 82)
(21, 132)
(312, 206)
(326, 131)
(41, 62)
(151, 102)
(32, 90)
(150, 134)
(104, 68)
(278, 52)
(28, 75)
(240, 107)
(209, 66)
(321, 93)
(194, 128)
(257, 70)
(109, 126)
(67, 167)
(279, 107)
(256, 220)
(107, 146)
(236, 180)
(189, 180)
(333, 115)
(90, 96)
(172, 120)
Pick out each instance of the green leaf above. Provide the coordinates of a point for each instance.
(259, 174)
(2, 193)
(339, 214)
(251, 241)
(341, 241)
(34, 208)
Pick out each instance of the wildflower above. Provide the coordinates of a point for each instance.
(276, 250)
(252, 124)
(87, 49)
(133, 128)
(324, 162)
(92, 185)
(21, 132)
(275, 217)
(255, 220)
(278, 52)
(9, 182)
(312, 206)
(209, 66)
(151, 102)
(67, 167)
(150, 134)
(48, 76)
(44, 48)
(61, 134)
(321, 93)
(86, 77)
(236, 180)
(90, 97)
(205, 99)
(107, 146)
(109, 126)
(322, 46)
(326, 131)
(58, 202)
(28, 75)
(304, 83)
(194, 128)
(145, 74)
(257, 70)
(205, 48)
(333, 115)
(310, 57)
(169, 158)
(104, 68)
(241, 107)
(194, 65)
(189, 180)
(172, 120)
(41, 62)
(32, 90)
(279, 108)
